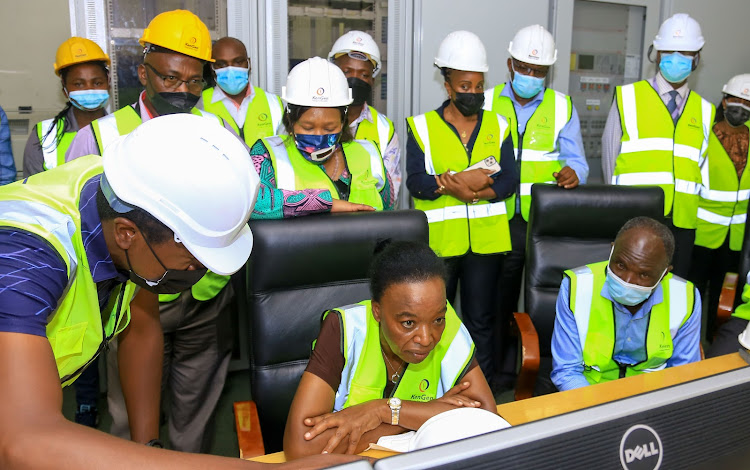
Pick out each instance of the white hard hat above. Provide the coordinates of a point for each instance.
(454, 425)
(318, 83)
(680, 32)
(195, 177)
(462, 50)
(738, 86)
(744, 337)
(357, 41)
(533, 45)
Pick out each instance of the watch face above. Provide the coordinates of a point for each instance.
(394, 402)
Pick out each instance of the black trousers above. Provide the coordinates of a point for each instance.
(478, 275)
(509, 290)
(707, 273)
(684, 240)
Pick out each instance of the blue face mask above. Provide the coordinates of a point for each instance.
(317, 148)
(232, 79)
(625, 293)
(88, 100)
(526, 86)
(675, 67)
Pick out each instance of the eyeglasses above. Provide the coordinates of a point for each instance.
(236, 62)
(171, 82)
(540, 72)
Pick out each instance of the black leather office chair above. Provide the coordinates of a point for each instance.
(567, 229)
(298, 269)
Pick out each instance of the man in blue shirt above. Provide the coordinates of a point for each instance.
(548, 149)
(627, 315)
(7, 165)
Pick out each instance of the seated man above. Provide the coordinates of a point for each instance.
(627, 315)
(386, 365)
(726, 340)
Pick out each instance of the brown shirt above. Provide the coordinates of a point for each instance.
(735, 144)
(327, 358)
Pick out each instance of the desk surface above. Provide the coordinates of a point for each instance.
(545, 406)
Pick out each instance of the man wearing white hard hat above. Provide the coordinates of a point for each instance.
(358, 56)
(722, 208)
(447, 152)
(657, 132)
(548, 149)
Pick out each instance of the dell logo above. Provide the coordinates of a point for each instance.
(640, 448)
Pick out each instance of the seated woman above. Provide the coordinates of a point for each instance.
(386, 365)
(318, 167)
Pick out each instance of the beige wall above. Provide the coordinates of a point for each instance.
(30, 31)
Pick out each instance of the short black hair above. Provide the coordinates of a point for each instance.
(293, 112)
(403, 261)
(655, 227)
(154, 231)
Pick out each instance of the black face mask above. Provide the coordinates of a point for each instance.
(361, 91)
(173, 281)
(469, 104)
(173, 102)
(736, 115)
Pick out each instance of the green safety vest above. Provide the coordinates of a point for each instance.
(457, 227)
(540, 154)
(364, 374)
(294, 173)
(655, 151)
(380, 130)
(46, 205)
(743, 310)
(262, 118)
(54, 155)
(722, 207)
(595, 321)
(124, 121)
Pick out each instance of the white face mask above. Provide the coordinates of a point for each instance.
(624, 292)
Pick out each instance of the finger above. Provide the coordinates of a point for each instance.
(458, 388)
(573, 184)
(320, 428)
(466, 401)
(364, 207)
(353, 441)
(334, 441)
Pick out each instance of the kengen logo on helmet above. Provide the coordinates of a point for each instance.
(358, 39)
(534, 53)
(745, 91)
(320, 91)
(191, 43)
(678, 33)
(80, 52)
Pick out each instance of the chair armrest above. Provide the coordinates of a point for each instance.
(529, 356)
(249, 435)
(726, 299)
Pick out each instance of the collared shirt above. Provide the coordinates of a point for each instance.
(569, 141)
(391, 154)
(7, 164)
(423, 186)
(630, 337)
(612, 134)
(33, 276)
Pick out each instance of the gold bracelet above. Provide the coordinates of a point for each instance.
(476, 198)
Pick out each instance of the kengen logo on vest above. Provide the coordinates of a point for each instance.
(641, 448)
(262, 117)
(424, 385)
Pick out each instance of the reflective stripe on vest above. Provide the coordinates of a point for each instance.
(256, 124)
(722, 208)
(54, 155)
(294, 173)
(655, 151)
(595, 325)
(364, 375)
(46, 205)
(122, 122)
(540, 155)
(457, 227)
(379, 132)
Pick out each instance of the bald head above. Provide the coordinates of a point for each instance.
(642, 252)
(229, 52)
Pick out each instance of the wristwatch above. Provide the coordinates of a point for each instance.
(395, 405)
(476, 198)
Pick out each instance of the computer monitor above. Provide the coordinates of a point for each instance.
(702, 424)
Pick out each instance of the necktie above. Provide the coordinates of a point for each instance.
(672, 105)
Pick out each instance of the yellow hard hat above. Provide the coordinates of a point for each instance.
(78, 50)
(180, 31)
